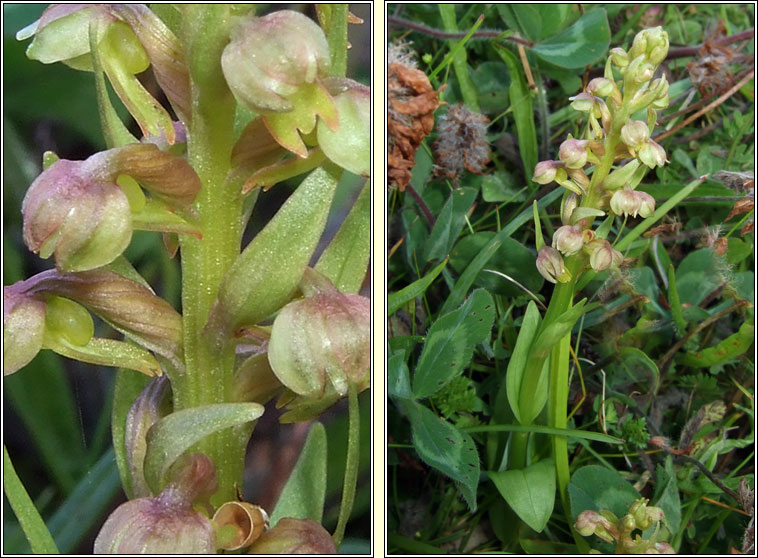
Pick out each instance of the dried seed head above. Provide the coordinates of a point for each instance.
(462, 142)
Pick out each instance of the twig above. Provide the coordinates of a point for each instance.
(702, 325)
(439, 34)
(711, 106)
(422, 204)
(683, 52)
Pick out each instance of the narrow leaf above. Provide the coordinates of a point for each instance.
(396, 300)
(529, 492)
(450, 343)
(31, 521)
(174, 434)
(449, 223)
(128, 387)
(728, 349)
(346, 258)
(303, 495)
(517, 364)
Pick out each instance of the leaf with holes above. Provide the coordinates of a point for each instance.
(450, 343)
(445, 448)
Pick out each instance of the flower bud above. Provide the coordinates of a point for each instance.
(583, 102)
(23, 329)
(652, 43)
(244, 522)
(573, 153)
(86, 223)
(590, 522)
(625, 202)
(664, 548)
(639, 71)
(168, 523)
(619, 57)
(647, 204)
(321, 338)
(635, 134)
(546, 172)
(628, 523)
(273, 65)
(568, 240)
(350, 145)
(551, 267)
(294, 536)
(603, 255)
(600, 87)
(652, 155)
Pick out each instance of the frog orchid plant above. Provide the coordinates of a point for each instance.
(279, 81)
(599, 172)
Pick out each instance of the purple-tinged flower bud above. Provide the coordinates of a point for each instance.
(168, 523)
(602, 255)
(625, 202)
(551, 267)
(239, 524)
(273, 65)
(619, 57)
(573, 153)
(350, 144)
(546, 172)
(87, 223)
(294, 536)
(652, 155)
(323, 338)
(23, 328)
(635, 134)
(590, 522)
(568, 240)
(584, 102)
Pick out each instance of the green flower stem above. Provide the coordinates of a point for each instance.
(209, 362)
(40, 539)
(351, 464)
(337, 38)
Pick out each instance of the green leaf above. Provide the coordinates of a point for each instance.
(529, 492)
(303, 495)
(697, 275)
(549, 430)
(523, 112)
(259, 283)
(728, 349)
(450, 343)
(737, 250)
(447, 449)
(396, 300)
(86, 505)
(597, 488)
(128, 386)
(551, 333)
(42, 398)
(449, 223)
(511, 258)
(173, 435)
(634, 366)
(31, 521)
(581, 44)
(398, 382)
(667, 496)
(467, 278)
(517, 364)
(345, 260)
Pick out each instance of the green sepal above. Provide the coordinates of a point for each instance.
(105, 352)
(155, 216)
(283, 170)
